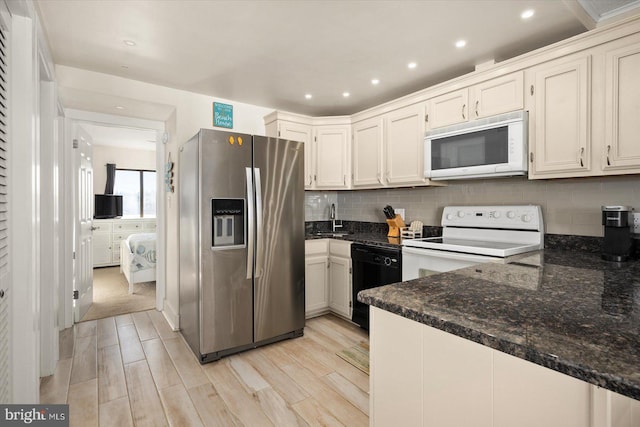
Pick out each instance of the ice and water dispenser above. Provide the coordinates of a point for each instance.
(228, 219)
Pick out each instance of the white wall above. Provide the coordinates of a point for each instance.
(190, 112)
(124, 158)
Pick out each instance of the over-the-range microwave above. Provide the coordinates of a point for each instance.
(484, 148)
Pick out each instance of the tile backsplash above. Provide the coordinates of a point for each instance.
(569, 206)
(317, 205)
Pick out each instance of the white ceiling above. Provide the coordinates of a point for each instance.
(271, 53)
(120, 137)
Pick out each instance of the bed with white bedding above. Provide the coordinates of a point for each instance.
(138, 258)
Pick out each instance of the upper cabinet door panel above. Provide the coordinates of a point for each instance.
(559, 122)
(367, 153)
(332, 157)
(497, 96)
(449, 109)
(405, 145)
(302, 133)
(622, 116)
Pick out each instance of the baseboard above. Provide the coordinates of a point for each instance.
(171, 315)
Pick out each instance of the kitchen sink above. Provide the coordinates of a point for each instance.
(332, 233)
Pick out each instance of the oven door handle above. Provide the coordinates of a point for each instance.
(447, 255)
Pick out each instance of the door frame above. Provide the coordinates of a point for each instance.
(101, 119)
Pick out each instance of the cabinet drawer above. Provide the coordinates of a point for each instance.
(149, 225)
(340, 248)
(320, 247)
(133, 226)
(102, 227)
(117, 237)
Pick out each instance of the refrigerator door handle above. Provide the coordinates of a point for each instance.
(251, 215)
(258, 217)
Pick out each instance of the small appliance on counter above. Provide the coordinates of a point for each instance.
(617, 233)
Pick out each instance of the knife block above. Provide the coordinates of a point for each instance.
(395, 225)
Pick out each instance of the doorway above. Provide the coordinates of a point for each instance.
(130, 146)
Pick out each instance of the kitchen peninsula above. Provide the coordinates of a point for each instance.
(552, 339)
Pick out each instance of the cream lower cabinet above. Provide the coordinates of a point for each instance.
(327, 277)
(316, 277)
(559, 104)
(340, 277)
(422, 376)
(621, 151)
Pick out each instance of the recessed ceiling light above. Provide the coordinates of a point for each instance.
(375, 81)
(527, 14)
(119, 107)
(129, 42)
(461, 43)
(412, 65)
(346, 94)
(308, 96)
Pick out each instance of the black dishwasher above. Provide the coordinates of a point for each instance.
(372, 266)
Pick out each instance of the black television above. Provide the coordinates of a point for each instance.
(107, 206)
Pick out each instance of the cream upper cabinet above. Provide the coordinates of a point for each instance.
(404, 145)
(621, 151)
(497, 96)
(367, 168)
(449, 109)
(297, 132)
(559, 104)
(332, 157)
(302, 133)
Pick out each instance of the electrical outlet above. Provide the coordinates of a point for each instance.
(636, 223)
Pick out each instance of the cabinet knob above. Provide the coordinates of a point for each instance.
(94, 228)
(1, 293)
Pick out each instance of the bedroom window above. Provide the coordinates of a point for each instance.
(138, 190)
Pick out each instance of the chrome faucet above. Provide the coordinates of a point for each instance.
(332, 216)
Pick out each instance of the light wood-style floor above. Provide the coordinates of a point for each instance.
(133, 370)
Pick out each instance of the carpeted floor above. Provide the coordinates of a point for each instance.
(111, 295)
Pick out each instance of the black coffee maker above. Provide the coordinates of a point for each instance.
(617, 233)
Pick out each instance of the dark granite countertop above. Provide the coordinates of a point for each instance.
(373, 239)
(565, 310)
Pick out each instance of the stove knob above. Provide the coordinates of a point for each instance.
(460, 214)
(511, 214)
(526, 218)
(449, 217)
(387, 261)
(496, 214)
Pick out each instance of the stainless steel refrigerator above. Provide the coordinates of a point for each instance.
(241, 242)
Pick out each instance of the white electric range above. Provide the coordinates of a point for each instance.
(474, 235)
